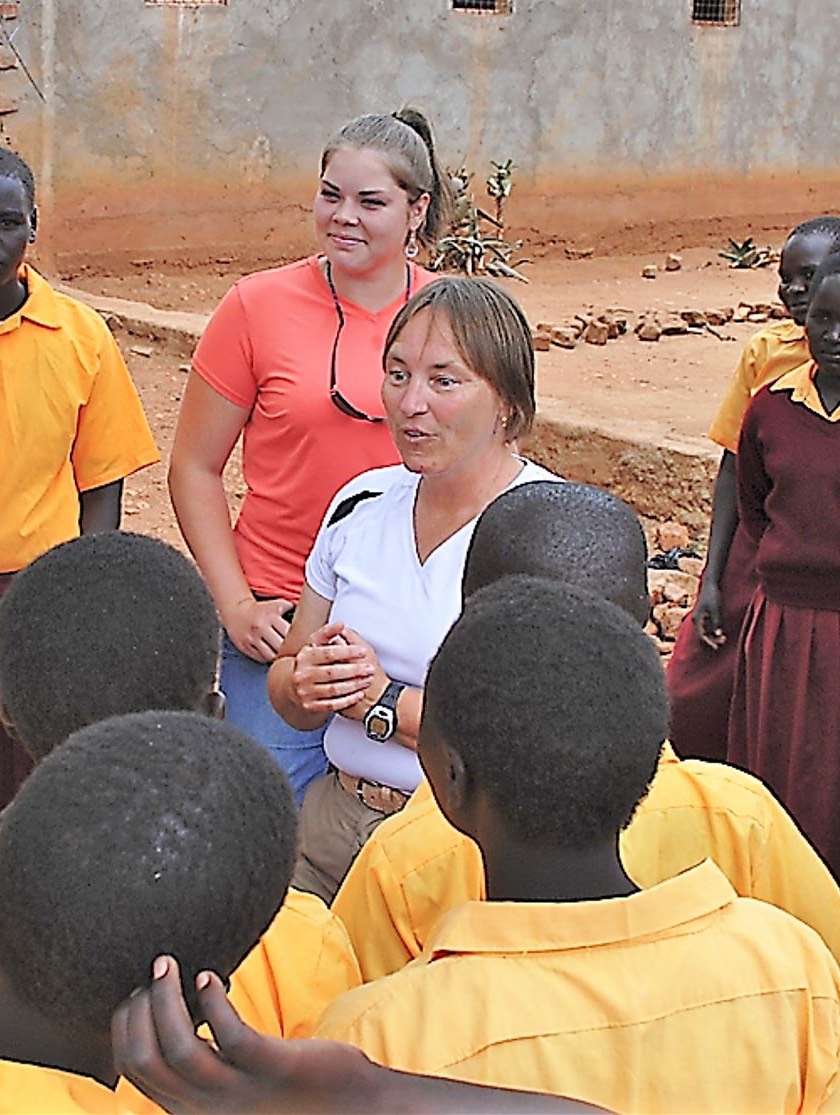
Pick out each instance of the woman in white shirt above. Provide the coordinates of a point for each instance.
(383, 579)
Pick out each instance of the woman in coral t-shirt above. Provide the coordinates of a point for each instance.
(292, 360)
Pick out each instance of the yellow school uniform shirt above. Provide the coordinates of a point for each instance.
(415, 866)
(70, 420)
(769, 354)
(303, 961)
(35, 1090)
(683, 997)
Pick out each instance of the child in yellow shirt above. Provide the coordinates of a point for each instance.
(415, 867)
(157, 828)
(114, 623)
(71, 423)
(544, 715)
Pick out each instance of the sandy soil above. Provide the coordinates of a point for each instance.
(663, 392)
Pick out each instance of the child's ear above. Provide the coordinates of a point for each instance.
(33, 225)
(6, 723)
(458, 783)
(213, 704)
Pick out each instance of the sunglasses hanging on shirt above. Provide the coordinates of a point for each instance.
(339, 401)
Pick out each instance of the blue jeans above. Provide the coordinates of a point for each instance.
(300, 754)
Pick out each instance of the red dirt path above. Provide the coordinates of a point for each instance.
(663, 392)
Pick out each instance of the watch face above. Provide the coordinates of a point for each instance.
(378, 725)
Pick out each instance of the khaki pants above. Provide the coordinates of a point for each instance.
(334, 825)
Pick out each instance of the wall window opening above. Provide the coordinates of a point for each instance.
(494, 7)
(725, 13)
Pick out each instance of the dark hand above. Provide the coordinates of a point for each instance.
(707, 618)
(156, 1048)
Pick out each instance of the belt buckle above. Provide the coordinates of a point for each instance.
(378, 795)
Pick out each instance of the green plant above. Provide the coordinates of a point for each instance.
(499, 185)
(748, 254)
(475, 243)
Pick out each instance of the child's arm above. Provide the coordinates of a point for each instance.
(753, 484)
(751, 370)
(707, 612)
(100, 508)
(156, 1048)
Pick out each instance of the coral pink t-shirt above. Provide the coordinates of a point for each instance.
(267, 348)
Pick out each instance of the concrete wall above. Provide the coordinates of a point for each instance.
(168, 127)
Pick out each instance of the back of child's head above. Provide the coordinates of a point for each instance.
(13, 166)
(555, 701)
(159, 832)
(826, 225)
(103, 625)
(573, 533)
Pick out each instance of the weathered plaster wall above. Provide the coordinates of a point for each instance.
(168, 127)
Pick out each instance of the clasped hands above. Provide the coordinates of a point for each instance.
(337, 671)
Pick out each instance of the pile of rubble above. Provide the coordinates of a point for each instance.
(672, 590)
(597, 327)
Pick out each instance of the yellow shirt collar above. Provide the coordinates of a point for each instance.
(520, 927)
(40, 305)
(800, 383)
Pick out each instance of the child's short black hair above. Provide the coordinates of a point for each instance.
(555, 700)
(159, 832)
(13, 166)
(827, 224)
(106, 624)
(569, 532)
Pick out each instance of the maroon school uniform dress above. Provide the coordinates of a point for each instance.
(784, 721)
(700, 679)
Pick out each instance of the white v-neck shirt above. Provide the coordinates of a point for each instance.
(366, 563)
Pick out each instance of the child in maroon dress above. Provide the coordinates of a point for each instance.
(785, 717)
(702, 667)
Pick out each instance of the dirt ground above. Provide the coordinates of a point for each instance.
(664, 393)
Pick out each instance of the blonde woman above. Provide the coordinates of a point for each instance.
(291, 359)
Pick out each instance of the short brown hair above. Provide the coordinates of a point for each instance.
(492, 335)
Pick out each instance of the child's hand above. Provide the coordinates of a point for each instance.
(156, 1048)
(708, 614)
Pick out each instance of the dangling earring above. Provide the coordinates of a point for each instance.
(412, 248)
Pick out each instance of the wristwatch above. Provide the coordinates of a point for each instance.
(381, 720)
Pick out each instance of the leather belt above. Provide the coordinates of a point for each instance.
(379, 798)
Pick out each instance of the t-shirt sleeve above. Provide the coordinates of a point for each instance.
(224, 357)
(727, 422)
(320, 565)
(113, 438)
